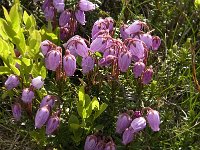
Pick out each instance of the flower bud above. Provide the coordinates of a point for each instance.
(87, 64)
(156, 43)
(90, 143)
(110, 146)
(153, 119)
(128, 136)
(49, 13)
(69, 64)
(86, 5)
(123, 122)
(41, 116)
(138, 124)
(53, 59)
(64, 18)
(124, 61)
(45, 46)
(109, 51)
(27, 95)
(147, 76)
(48, 100)
(16, 110)
(37, 82)
(107, 61)
(80, 16)
(59, 5)
(52, 124)
(137, 114)
(138, 69)
(11, 82)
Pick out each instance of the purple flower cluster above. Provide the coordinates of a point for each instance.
(67, 18)
(129, 127)
(43, 115)
(95, 142)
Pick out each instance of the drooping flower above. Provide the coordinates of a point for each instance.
(59, 5)
(123, 122)
(87, 64)
(45, 4)
(90, 142)
(135, 27)
(16, 111)
(138, 69)
(41, 116)
(69, 64)
(153, 119)
(100, 145)
(45, 46)
(147, 39)
(138, 124)
(124, 61)
(80, 16)
(123, 34)
(86, 5)
(37, 82)
(48, 100)
(64, 18)
(27, 95)
(12, 82)
(53, 59)
(52, 124)
(147, 75)
(99, 26)
(156, 43)
(128, 136)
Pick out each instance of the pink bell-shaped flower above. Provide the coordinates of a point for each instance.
(147, 39)
(147, 75)
(138, 69)
(64, 18)
(12, 82)
(53, 59)
(98, 26)
(52, 124)
(16, 111)
(80, 16)
(48, 100)
(128, 136)
(123, 122)
(69, 64)
(45, 46)
(137, 49)
(124, 61)
(86, 5)
(59, 5)
(42, 116)
(123, 34)
(90, 142)
(135, 27)
(87, 64)
(156, 43)
(27, 95)
(37, 82)
(100, 43)
(138, 124)
(153, 119)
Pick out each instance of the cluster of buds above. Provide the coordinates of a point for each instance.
(44, 117)
(129, 126)
(67, 18)
(96, 142)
